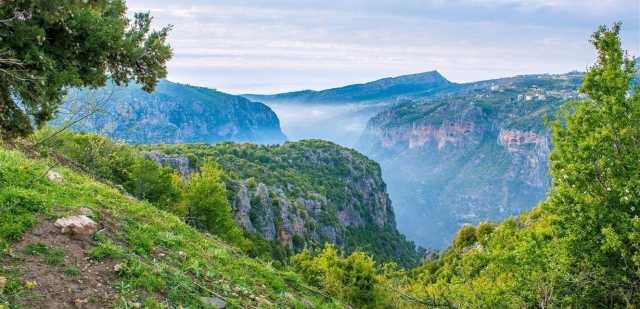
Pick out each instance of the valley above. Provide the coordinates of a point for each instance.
(451, 154)
(122, 189)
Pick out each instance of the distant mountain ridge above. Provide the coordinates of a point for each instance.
(479, 152)
(385, 88)
(173, 113)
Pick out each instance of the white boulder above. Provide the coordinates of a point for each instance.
(77, 225)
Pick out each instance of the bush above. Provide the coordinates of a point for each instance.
(355, 279)
(208, 208)
(118, 163)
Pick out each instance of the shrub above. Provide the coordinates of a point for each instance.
(355, 279)
(208, 208)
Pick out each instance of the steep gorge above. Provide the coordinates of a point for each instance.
(466, 157)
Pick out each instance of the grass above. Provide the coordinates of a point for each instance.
(72, 271)
(52, 256)
(164, 261)
(106, 249)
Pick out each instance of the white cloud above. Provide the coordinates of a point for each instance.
(258, 46)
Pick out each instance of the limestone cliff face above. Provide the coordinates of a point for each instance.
(173, 113)
(530, 151)
(479, 155)
(305, 193)
(179, 163)
(271, 213)
(418, 135)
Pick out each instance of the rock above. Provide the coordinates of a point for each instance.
(54, 176)
(307, 303)
(261, 301)
(77, 225)
(179, 163)
(213, 302)
(3, 283)
(118, 267)
(86, 212)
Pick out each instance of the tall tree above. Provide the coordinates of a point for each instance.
(47, 46)
(596, 180)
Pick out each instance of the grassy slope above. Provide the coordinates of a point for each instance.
(163, 262)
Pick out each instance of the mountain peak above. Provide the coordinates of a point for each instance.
(429, 77)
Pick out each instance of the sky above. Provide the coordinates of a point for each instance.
(271, 46)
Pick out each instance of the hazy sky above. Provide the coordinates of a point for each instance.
(267, 46)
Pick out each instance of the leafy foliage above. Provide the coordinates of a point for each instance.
(355, 279)
(205, 196)
(50, 45)
(596, 170)
(117, 163)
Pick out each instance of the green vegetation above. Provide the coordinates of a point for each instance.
(50, 45)
(578, 249)
(209, 210)
(177, 244)
(114, 162)
(162, 260)
(595, 167)
(300, 176)
(201, 201)
(355, 278)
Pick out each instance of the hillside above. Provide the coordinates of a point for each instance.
(477, 154)
(386, 88)
(173, 113)
(139, 256)
(303, 194)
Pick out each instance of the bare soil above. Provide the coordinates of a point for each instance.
(55, 288)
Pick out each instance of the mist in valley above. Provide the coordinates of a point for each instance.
(339, 123)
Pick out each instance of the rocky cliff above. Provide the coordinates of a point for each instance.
(477, 154)
(173, 113)
(306, 194)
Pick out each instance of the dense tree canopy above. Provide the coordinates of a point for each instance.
(596, 178)
(47, 46)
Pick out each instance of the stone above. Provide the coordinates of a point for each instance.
(54, 176)
(213, 302)
(77, 225)
(261, 301)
